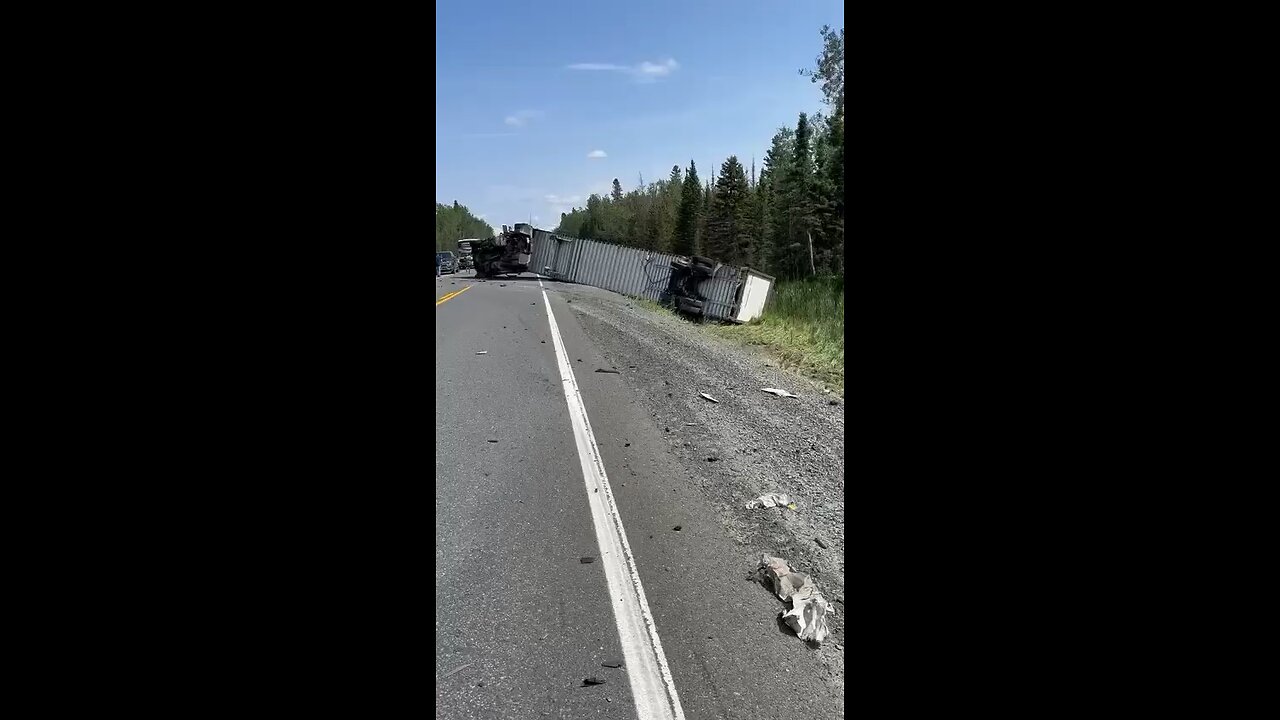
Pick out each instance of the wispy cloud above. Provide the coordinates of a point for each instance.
(597, 154)
(520, 118)
(488, 135)
(562, 199)
(643, 72)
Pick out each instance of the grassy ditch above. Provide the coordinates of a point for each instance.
(803, 325)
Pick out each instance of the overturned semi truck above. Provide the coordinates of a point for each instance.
(509, 252)
(687, 276)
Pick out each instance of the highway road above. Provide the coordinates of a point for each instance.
(558, 499)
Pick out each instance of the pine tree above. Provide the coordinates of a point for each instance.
(728, 231)
(616, 195)
(801, 211)
(775, 253)
(686, 239)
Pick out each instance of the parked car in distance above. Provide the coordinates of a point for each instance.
(448, 263)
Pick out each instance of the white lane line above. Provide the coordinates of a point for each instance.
(651, 684)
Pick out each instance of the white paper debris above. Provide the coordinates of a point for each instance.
(779, 393)
(709, 397)
(770, 500)
(808, 613)
(483, 352)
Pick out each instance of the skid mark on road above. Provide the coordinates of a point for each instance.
(651, 685)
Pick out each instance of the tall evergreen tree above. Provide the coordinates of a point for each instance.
(686, 239)
(616, 195)
(801, 212)
(728, 222)
(773, 203)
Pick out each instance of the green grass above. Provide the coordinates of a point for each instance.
(803, 325)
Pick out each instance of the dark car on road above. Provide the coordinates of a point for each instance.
(448, 263)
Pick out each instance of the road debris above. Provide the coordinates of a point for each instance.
(808, 613)
(677, 528)
(709, 397)
(779, 393)
(593, 680)
(611, 372)
(587, 559)
(455, 671)
(771, 500)
(822, 544)
(611, 663)
(493, 441)
(691, 424)
(482, 352)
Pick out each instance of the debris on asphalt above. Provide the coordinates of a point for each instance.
(483, 352)
(611, 663)
(612, 372)
(770, 500)
(808, 613)
(833, 402)
(779, 393)
(820, 542)
(712, 459)
(544, 342)
(709, 397)
(493, 441)
(677, 528)
(593, 680)
(626, 445)
(587, 559)
(455, 671)
(693, 424)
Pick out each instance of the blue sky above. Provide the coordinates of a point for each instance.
(525, 91)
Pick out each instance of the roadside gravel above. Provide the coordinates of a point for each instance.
(748, 444)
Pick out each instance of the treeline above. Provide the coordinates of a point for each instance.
(788, 221)
(453, 223)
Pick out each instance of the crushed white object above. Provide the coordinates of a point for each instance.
(808, 613)
(779, 393)
(483, 352)
(770, 500)
(709, 397)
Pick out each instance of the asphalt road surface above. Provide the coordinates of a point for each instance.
(541, 462)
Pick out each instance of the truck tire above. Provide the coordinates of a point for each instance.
(689, 305)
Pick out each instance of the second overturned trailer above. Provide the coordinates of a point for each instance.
(509, 252)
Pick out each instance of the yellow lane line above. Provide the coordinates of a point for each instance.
(453, 295)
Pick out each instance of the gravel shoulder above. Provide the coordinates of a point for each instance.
(747, 444)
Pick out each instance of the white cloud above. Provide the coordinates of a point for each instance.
(562, 200)
(661, 69)
(520, 118)
(643, 72)
(597, 154)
